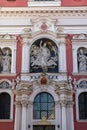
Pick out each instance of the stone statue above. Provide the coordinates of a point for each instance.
(82, 59)
(44, 55)
(6, 62)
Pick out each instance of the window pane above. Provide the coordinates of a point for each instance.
(4, 106)
(83, 105)
(45, 107)
(44, 97)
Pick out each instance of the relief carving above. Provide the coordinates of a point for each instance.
(44, 55)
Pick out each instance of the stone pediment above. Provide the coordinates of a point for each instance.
(43, 24)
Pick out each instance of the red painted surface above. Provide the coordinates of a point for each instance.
(80, 125)
(74, 2)
(23, 3)
(6, 125)
(69, 59)
(15, 3)
(19, 55)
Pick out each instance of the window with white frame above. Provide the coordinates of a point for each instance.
(6, 100)
(44, 106)
(81, 100)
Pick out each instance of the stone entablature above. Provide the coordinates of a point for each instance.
(63, 11)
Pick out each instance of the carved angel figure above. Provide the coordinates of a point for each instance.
(41, 56)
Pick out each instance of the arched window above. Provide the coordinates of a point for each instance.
(44, 106)
(83, 105)
(5, 106)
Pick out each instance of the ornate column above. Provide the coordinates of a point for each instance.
(70, 116)
(17, 116)
(24, 115)
(25, 54)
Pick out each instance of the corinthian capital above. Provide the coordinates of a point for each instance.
(24, 103)
(25, 41)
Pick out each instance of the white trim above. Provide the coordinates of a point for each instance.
(44, 3)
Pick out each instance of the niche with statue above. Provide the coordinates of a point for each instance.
(82, 60)
(5, 60)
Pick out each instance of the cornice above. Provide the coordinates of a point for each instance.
(31, 11)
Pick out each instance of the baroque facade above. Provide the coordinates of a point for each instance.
(43, 65)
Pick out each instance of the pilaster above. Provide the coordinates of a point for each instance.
(25, 54)
(62, 52)
(17, 125)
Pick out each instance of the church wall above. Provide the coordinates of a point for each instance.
(69, 55)
(74, 2)
(78, 125)
(13, 3)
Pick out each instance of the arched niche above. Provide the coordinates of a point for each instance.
(5, 60)
(82, 60)
(44, 56)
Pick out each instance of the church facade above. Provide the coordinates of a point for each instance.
(43, 65)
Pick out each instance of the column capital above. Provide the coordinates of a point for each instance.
(18, 104)
(63, 103)
(25, 41)
(24, 103)
(70, 104)
(62, 38)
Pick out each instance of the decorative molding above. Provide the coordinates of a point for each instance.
(63, 11)
(80, 36)
(8, 40)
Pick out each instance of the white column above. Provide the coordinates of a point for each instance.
(62, 55)
(24, 116)
(75, 63)
(64, 125)
(30, 115)
(25, 55)
(13, 63)
(58, 115)
(70, 117)
(17, 125)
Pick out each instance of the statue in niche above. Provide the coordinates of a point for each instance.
(82, 59)
(41, 55)
(6, 62)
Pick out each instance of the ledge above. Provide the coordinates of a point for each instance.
(44, 3)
